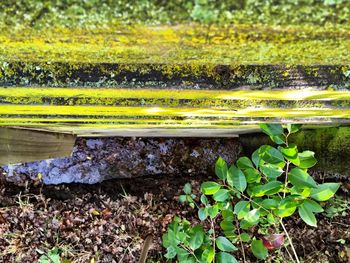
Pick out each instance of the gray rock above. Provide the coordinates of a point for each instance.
(95, 160)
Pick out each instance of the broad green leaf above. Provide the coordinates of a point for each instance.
(306, 159)
(204, 200)
(169, 239)
(252, 175)
(271, 155)
(291, 154)
(271, 171)
(293, 128)
(302, 192)
(182, 198)
(221, 168)
(187, 188)
(227, 214)
(241, 209)
(245, 237)
(306, 215)
(244, 163)
(313, 206)
(182, 255)
(325, 191)
(208, 255)
(54, 255)
(213, 211)
(196, 237)
(256, 158)
(278, 139)
(170, 252)
(272, 129)
(221, 195)
(252, 217)
(244, 224)
(286, 207)
(224, 244)
(267, 189)
(259, 250)
(210, 188)
(227, 225)
(301, 179)
(236, 178)
(284, 212)
(289, 202)
(223, 257)
(271, 219)
(269, 204)
(202, 213)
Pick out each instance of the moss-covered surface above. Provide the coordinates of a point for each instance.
(221, 99)
(239, 44)
(183, 55)
(183, 76)
(81, 109)
(92, 13)
(147, 77)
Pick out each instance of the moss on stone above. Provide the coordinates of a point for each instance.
(244, 44)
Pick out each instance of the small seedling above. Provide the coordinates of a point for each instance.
(53, 256)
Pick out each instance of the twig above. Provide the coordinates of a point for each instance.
(240, 241)
(290, 241)
(289, 254)
(342, 224)
(126, 250)
(190, 251)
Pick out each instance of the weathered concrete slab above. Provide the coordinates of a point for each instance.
(95, 160)
(173, 81)
(98, 159)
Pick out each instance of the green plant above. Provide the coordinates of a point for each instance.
(53, 256)
(249, 202)
(337, 206)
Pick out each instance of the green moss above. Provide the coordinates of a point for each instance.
(306, 45)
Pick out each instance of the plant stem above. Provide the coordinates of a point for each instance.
(190, 251)
(214, 238)
(289, 254)
(290, 241)
(286, 179)
(240, 241)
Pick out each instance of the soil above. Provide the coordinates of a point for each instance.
(109, 221)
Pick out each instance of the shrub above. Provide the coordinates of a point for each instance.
(249, 202)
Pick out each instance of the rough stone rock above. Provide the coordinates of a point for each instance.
(95, 160)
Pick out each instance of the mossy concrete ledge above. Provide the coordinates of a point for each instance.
(191, 75)
(173, 80)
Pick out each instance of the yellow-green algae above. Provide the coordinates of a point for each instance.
(305, 94)
(181, 44)
(223, 99)
(171, 112)
(125, 55)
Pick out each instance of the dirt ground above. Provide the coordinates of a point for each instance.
(108, 222)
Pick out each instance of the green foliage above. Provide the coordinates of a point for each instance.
(260, 191)
(92, 13)
(337, 206)
(53, 256)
